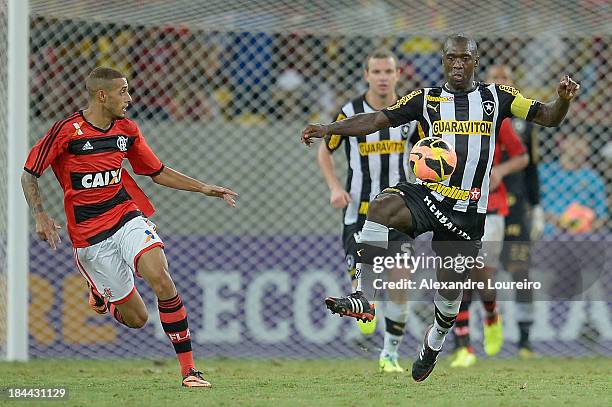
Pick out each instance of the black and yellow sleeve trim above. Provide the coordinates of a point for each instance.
(420, 131)
(521, 107)
(333, 142)
(524, 108)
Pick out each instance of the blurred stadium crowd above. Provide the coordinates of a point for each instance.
(181, 74)
(184, 75)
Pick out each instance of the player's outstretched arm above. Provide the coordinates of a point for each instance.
(46, 227)
(552, 114)
(357, 125)
(174, 179)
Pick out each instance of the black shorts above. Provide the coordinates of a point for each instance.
(516, 253)
(349, 242)
(454, 232)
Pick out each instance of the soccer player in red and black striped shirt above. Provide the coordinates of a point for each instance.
(106, 212)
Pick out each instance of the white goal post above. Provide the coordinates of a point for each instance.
(17, 215)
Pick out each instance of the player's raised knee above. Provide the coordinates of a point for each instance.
(391, 210)
(382, 207)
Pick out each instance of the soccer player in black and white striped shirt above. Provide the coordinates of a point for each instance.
(468, 115)
(375, 161)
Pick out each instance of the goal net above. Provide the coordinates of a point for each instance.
(222, 89)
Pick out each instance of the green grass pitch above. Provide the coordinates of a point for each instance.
(352, 382)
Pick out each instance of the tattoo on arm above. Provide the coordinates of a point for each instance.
(29, 183)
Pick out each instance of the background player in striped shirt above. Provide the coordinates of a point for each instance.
(105, 210)
(525, 220)
(375, 161)
(468, 115)
(510, 157)
(510, 145)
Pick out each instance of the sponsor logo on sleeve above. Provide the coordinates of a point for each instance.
(509, 89)
(405, 99)
(77, 127)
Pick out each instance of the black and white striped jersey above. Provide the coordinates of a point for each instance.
(469, 121)
(375, 161)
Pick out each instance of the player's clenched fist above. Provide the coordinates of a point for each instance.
(567, 88)
(313, 131)
(339, 198)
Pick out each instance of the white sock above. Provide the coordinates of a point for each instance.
(395, 314)
(524, 312)
(391, 344)
(448, 310)
(436, 337)
(374, 234)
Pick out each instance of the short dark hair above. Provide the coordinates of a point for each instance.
(98, 78)
(459, 37)
(379, 53)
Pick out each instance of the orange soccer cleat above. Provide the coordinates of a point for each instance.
(194, 379)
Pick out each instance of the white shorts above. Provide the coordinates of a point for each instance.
(492, 240)
(109, 266)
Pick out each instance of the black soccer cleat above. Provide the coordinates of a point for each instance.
(425, 363)
(355, 305)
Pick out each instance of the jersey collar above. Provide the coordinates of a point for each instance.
(97, 128)
(473, 88)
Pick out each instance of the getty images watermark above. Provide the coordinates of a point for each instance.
(458, 263)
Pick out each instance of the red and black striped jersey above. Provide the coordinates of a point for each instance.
(508, 143)
(87, 162)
